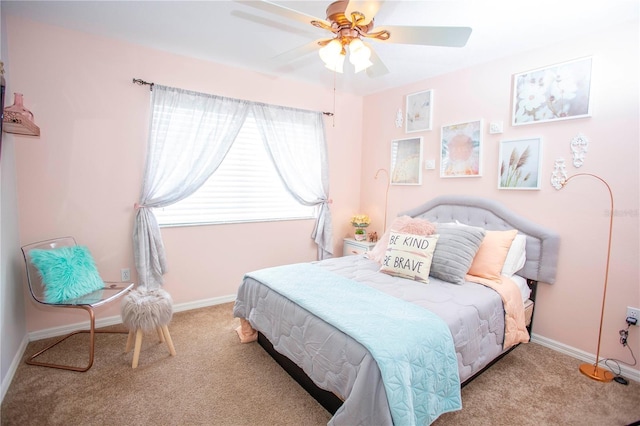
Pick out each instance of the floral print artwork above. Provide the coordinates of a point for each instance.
(553, 93)
(460, 150)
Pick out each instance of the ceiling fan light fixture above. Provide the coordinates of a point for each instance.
(332, 55)
(352, 21)
(359, 55)
(337, 65)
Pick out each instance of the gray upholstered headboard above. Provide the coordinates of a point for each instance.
(542, 243)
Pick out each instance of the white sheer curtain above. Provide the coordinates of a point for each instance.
(190, 135)
(300, 156)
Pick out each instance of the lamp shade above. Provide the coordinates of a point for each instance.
(359, 55)
(338, 65)
(332, 56)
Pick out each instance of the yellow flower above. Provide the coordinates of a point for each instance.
(360, 220)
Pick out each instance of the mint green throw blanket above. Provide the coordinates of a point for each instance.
(412, 346)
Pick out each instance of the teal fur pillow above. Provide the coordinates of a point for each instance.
(67, 272)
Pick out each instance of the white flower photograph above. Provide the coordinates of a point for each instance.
(559, 92)
(419, 111)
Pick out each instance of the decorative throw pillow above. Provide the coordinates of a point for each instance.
(404, 224)
(67, 272)
(516, 257)
(409, 256)
(457, 246)
(492, 253)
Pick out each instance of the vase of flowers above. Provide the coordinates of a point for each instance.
(360, 223)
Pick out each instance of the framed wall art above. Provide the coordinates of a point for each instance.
(461, 150)
(557, 92)
(519, 164)
(419, 111)
(406, 161)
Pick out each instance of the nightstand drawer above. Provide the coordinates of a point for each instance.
(352, 247)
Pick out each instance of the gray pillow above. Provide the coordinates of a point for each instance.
(457, 246)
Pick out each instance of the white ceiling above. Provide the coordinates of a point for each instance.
(233, 33)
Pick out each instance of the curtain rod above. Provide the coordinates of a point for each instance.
(141, 82)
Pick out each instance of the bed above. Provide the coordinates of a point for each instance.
(390, 337)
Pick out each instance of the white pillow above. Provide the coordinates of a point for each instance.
(409, 256)
(522, 285)
(516, 256)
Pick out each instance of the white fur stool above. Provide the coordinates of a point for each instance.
(147, 310)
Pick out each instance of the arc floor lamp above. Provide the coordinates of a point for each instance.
(559, 180)
(386, 196)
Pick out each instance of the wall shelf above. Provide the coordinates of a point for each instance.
(16, 123)
(19, 120)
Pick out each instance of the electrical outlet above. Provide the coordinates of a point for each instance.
(125, 275)
(633, 313)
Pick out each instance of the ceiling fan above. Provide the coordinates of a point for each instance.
(352, 21)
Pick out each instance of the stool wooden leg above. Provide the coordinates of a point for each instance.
(136, 352)
(129, 341)
(167, 336)
(160, 335)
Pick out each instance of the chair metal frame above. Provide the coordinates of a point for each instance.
(109, 293)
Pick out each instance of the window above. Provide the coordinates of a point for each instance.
(245, 188)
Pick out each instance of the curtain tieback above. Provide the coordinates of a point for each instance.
(137, 206)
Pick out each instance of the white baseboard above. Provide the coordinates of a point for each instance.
(14, 366)
(204, 303)
(626, 371)
(117, 319)
(101, 322)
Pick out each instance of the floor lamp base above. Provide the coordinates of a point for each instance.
(596, 373)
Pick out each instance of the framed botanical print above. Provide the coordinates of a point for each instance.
(419, 111)
(557, 92)
(519, 164)
(461, 150)
(406, 161)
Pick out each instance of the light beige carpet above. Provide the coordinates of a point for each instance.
(215, 380)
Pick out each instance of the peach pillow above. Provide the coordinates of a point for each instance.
(492, 253)
(406, 225)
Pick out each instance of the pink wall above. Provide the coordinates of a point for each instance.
(568, 311)
(82, 176)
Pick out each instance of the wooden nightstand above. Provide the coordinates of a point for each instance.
(352, 247)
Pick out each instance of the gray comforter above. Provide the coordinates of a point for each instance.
(337, 363)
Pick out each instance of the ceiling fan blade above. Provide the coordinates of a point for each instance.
(294, 54)
(273, 23)
(378, 68)
(282, 11)
(428, 36)
(368, 8)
